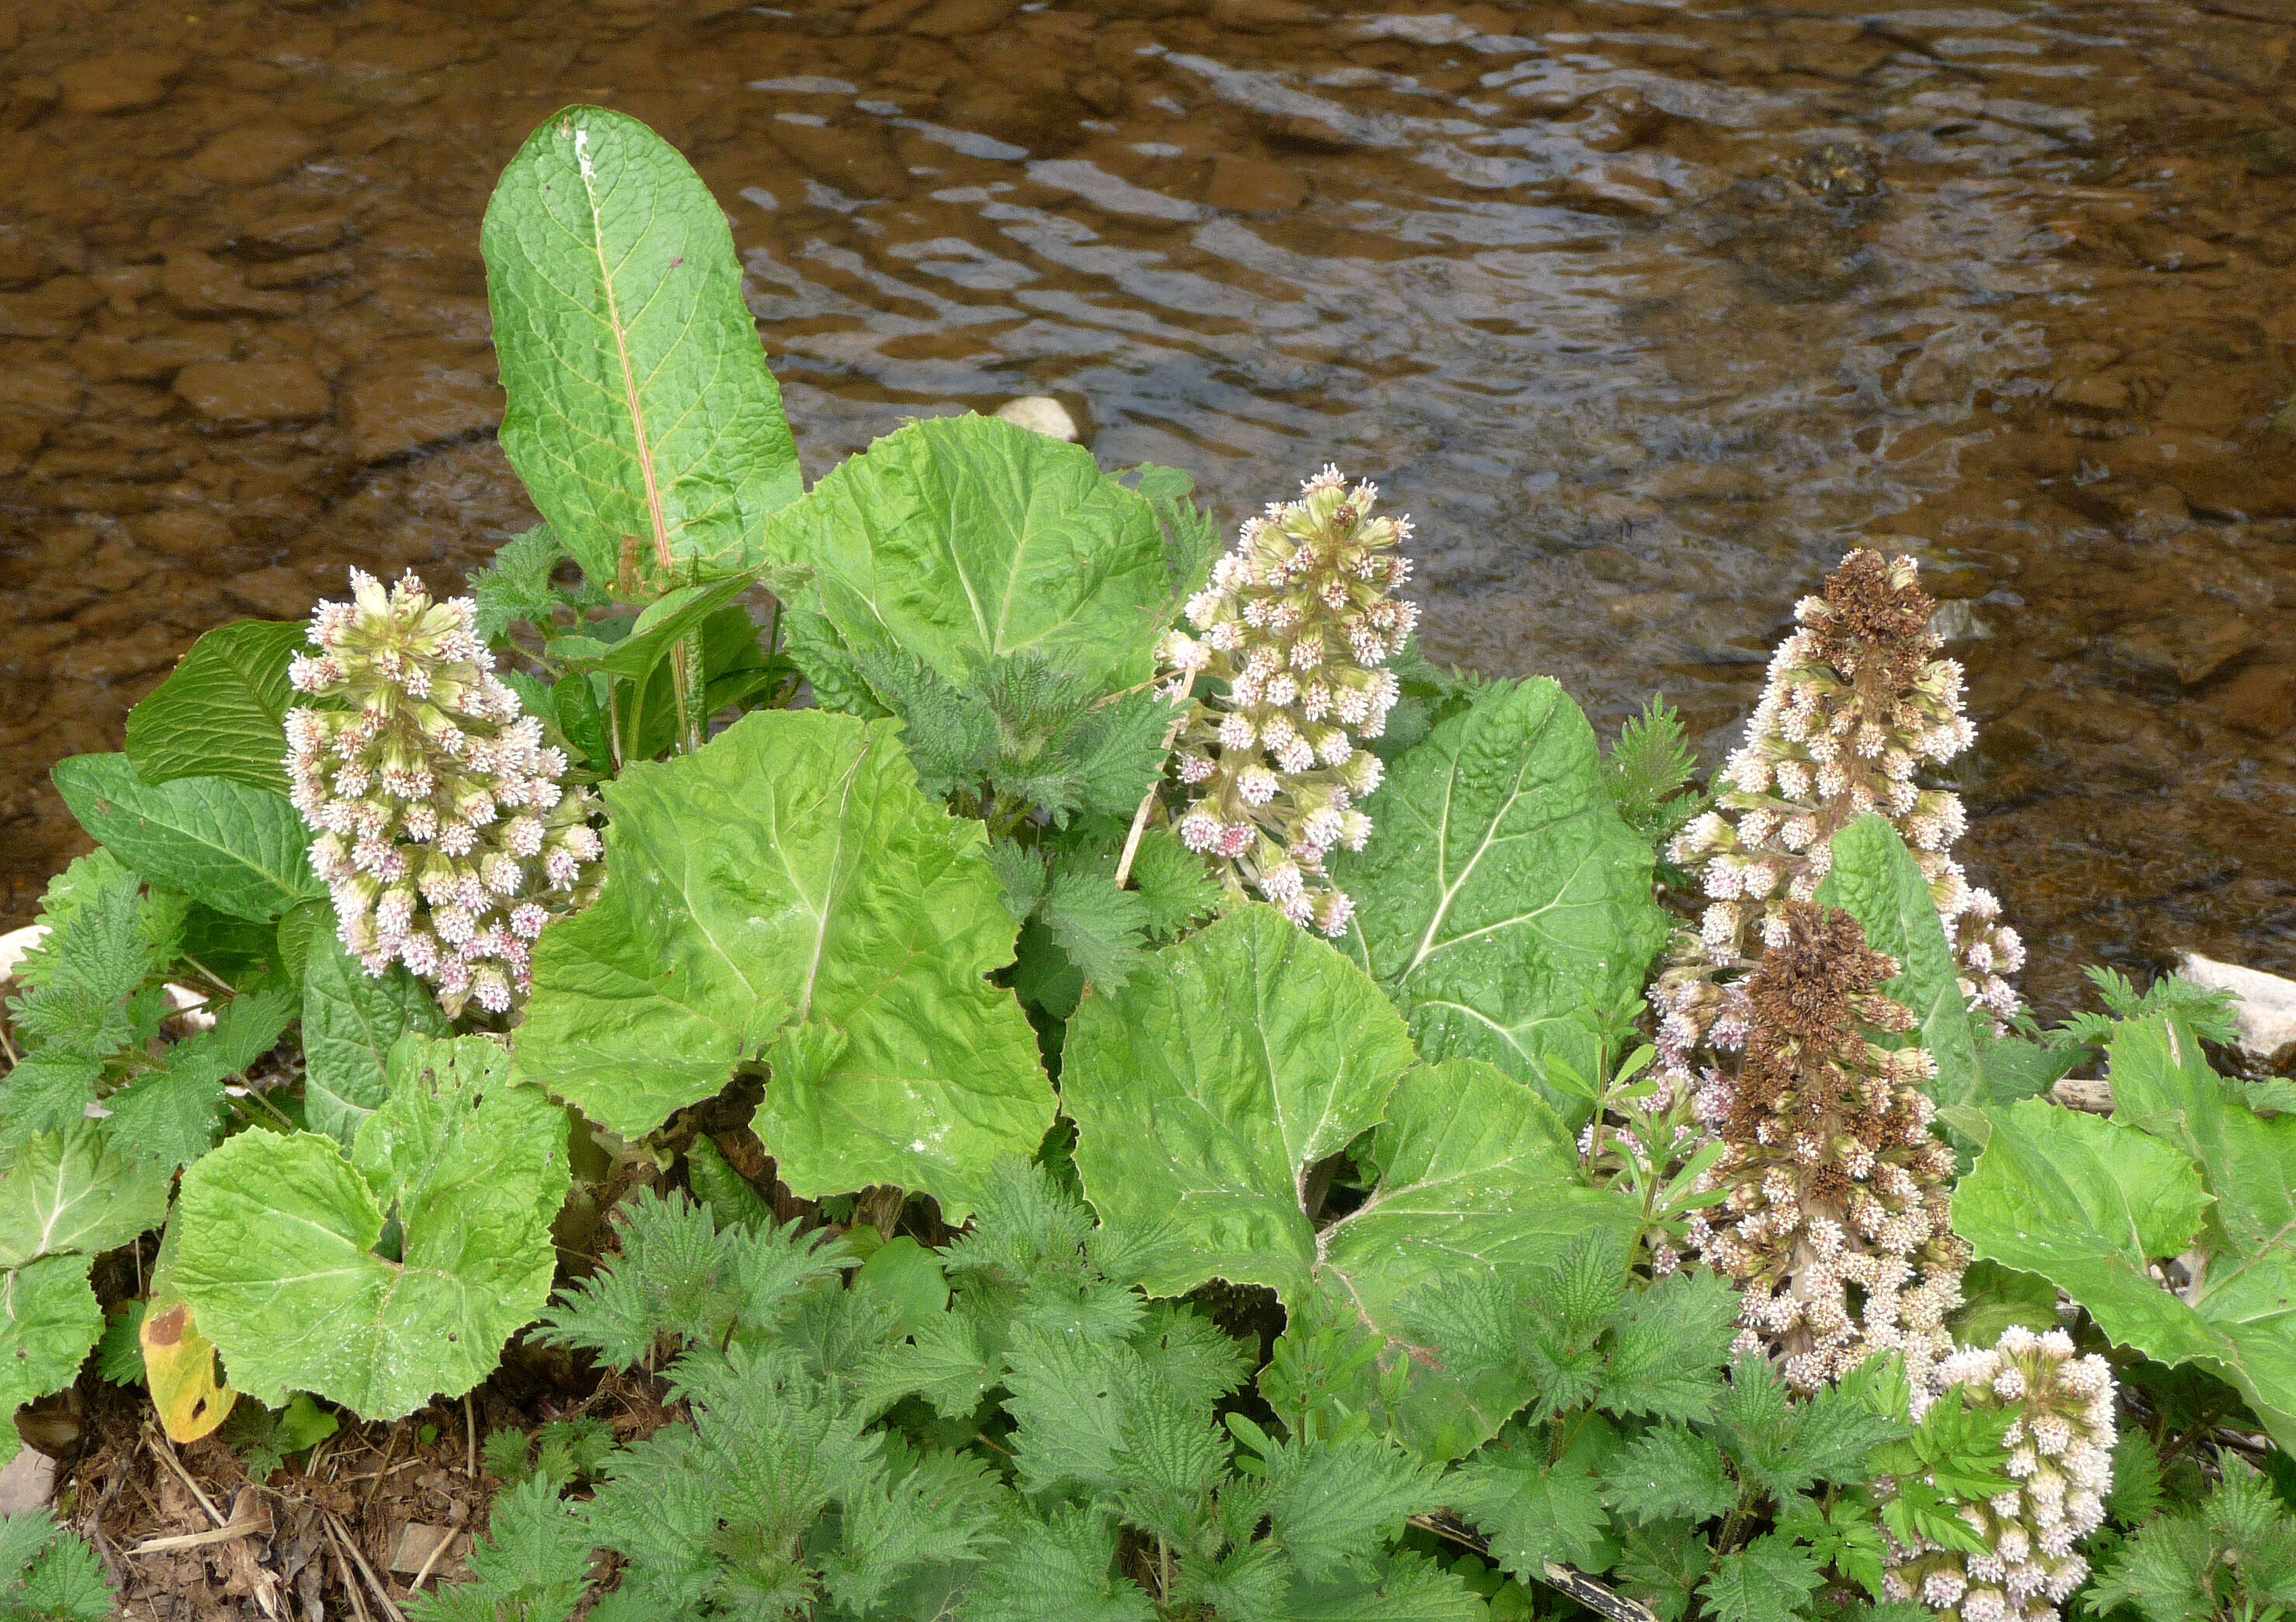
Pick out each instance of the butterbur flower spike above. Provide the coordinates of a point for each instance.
(2059, 1455)
(1832, 1177)
(444, 833)
(1291, 635)
(1857, 706)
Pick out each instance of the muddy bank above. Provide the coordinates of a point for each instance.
(1604, 292)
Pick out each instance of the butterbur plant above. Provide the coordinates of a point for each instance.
(445, 838)
(1293, 633)
(1857, 706)
(1836, 1220)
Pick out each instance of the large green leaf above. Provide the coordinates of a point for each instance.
(1876, 880)
(786, 893)
(1204, 1090)
(49, 1321)
(2090, 1205)
(278, 1233)
(1501, 897)
(220, 714)
(1231, 1063)
(1478, 1174)
(68, 1198)
(240, 850)
(350, 1020)
(967, 538)
(2162, 1084)
(71, 1192)
(640, 404)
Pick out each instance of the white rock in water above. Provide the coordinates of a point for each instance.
(1957, 621)
(1040, 414)
(2267, 1009)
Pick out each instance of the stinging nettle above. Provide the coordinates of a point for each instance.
(444, 833)
(1297, 624)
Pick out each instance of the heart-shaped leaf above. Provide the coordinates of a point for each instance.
(278, 1237)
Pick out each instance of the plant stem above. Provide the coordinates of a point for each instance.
(1148, 801)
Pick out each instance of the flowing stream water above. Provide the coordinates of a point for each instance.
(1646, 312)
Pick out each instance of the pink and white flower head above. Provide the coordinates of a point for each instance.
(1283, 683)
(429, 748)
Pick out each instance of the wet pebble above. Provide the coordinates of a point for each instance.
(1250, 186)
(117, 84)
(235, 392)
(252, 156)
(952, 18)
(417, 394)
(152, 646)
(2097, 394)
(276, 592)
(198, 284)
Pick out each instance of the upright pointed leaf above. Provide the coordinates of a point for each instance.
(1876, 880)
(788, 891)
(966, 538)
(219, 715)
(1501, 897)
(238, 849)
(640, 404)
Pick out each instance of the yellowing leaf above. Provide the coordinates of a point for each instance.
(180, 1364)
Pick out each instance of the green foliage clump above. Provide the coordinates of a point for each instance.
(1130, 1253)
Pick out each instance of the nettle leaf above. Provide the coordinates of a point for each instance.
(1876, 880)
(1533, 1509)
(240, 850)
(219, 715)
(1231, 1062)
(640, 404)
(278, 1234)
(66, 1198)
(516, 585)
(965, 539)
(2090, 1204)
(1502, 896)
(351, 1020)
(787, 893)
(174, 1115)
(49, 1321)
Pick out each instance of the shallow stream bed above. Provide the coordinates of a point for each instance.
(1645, 311)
